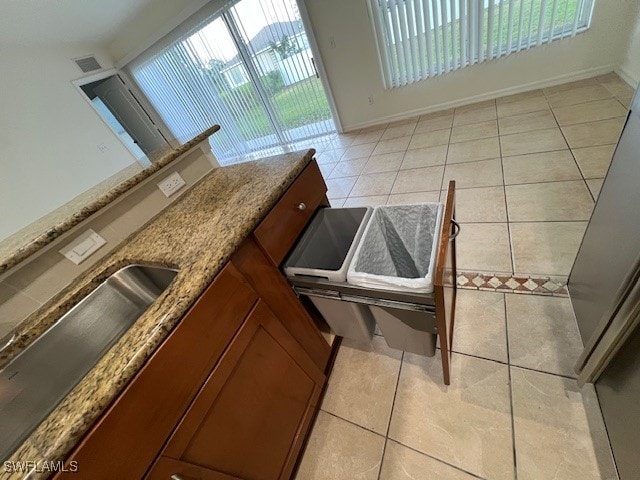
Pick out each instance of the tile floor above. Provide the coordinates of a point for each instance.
(528, 169)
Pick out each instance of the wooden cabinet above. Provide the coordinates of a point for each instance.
(128, 437)
(232, 391)
(277, 232)
(258, 399)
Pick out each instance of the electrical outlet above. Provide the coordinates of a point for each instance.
(171, 184)
(370, 99)
(332, 42)
(103, 147)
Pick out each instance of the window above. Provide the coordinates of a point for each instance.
(418, 39)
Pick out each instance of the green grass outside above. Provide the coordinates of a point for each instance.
(500, 31)
(295, 106)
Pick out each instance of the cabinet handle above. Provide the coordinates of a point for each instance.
(302, 206)
(456, 230)
(175, 476)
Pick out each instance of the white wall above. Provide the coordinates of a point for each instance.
(50, 135)
(354, 73)
(630, 68)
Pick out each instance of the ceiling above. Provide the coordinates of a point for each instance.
(37, 22)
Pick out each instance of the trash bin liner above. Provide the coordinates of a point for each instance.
(398, 248)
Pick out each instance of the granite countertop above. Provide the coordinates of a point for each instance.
(197, 235)
(25, 243)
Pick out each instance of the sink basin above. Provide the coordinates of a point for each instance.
(34, 382)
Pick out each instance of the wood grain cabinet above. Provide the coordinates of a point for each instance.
(257, 400)
(232, 391)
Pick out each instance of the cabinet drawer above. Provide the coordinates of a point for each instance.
(287, 219)
(128, 437)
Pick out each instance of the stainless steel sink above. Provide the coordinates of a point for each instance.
(34, 382)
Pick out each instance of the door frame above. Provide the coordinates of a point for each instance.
(160, 125)
(319, 64)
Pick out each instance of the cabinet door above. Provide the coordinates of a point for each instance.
(131, 433)
(249, 419)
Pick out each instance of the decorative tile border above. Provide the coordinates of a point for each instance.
(556, 286)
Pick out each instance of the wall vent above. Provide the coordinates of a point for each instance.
(87, 64)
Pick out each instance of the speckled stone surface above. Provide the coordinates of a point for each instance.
(30, 245)
(197, 235)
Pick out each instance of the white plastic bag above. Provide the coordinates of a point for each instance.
(398, 248)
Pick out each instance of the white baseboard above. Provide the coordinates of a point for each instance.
(548, 82)
(627, 76)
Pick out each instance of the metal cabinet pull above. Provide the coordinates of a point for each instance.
(302, 206)
(457, 229)
(175, 476)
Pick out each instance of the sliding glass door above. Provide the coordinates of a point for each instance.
(248, 68)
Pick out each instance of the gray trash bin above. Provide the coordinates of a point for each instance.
(324, 252)
(398, 252)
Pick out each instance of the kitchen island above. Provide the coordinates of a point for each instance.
(198, 236)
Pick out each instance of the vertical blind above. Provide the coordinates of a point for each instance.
(418, 39)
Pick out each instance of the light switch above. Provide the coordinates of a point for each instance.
(83, 246)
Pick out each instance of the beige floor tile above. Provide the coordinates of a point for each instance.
(370, 201)
(543, 333)
(594, 161)
(585, 82)
(527, 122)
(327, 168)
(480, 327)
(540, 167)
(484, 247)
(582, 94)
(399, 131)
(418, 197)
(330, 156)
(342, 140)
(474, 131)
(363, 384)
(402, 463)
(476, 113)
(473, 150)
(368, 137)
(518, 107)
(434, 121)
(418, 180)
(337, 202)
(389, 162)
(616, 85)
(595, 184)
(520, 96)
(532, 142)
(425, 157)
(559, 431)
(402, 122)
(348, 168)
(549, 202)
(545, 248)
(484, 204)
(340, 187)
(373, 184)
(339, 450)
(603, 132)
(485, 173)
(399, 144)
(466, 424)
(590, 112)
(358, 151)
(430, 139)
